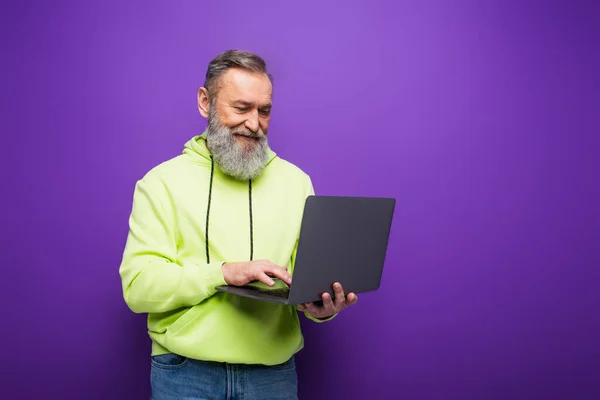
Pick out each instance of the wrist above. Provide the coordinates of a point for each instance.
(229, 270)
(225, 270)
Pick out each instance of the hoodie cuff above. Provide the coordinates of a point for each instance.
(216, 273)
(208, 275)
(319, 320)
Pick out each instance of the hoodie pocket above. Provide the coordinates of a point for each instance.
(182, 321)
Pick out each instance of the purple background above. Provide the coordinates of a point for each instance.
(481, 118)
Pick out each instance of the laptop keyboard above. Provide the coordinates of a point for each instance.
(280, 292)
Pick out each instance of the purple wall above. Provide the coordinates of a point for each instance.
(481, 118)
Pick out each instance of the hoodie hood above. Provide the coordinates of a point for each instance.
(196, 149)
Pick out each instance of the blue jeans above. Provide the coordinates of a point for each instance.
(174, 377)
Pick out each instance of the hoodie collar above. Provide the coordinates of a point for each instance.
(198, 152)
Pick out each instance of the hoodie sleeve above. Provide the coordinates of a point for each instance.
(152, 279)
(310, 192)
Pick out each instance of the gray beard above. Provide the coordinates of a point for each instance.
(240, 162)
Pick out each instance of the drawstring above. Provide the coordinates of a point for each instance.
(251, 229)
(212, 171)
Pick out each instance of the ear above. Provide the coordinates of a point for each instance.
(203, 102)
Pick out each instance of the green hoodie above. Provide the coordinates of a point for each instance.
(169, 271)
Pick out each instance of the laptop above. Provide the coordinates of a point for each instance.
(342, 239)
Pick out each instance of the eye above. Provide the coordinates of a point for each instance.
(264, 112)
(241, 109)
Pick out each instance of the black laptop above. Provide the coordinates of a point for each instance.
(342, 239)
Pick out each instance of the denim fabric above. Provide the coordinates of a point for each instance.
(174, 377)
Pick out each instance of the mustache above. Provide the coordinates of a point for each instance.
(248, 133)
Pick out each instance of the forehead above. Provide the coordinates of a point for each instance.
(238, 84)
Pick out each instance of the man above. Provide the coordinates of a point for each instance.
(226, 211)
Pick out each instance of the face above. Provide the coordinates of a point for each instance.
(238, 122)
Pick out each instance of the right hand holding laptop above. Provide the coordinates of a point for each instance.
(242, 273)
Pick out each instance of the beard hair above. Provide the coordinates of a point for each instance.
(242, 162)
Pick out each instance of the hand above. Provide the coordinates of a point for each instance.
(242, 273)
(329, 307)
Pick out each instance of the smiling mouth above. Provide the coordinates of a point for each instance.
(255, 138)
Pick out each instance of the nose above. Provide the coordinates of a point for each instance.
(252, 121)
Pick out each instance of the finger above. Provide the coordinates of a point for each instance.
(265, 279)
(267, 263)
(312, 309)
(301, 307)
(281, 273)
(270, 264)
(327, 302)
(340, 298)
(352, 298)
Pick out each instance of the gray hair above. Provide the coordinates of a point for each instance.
(233, 59)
